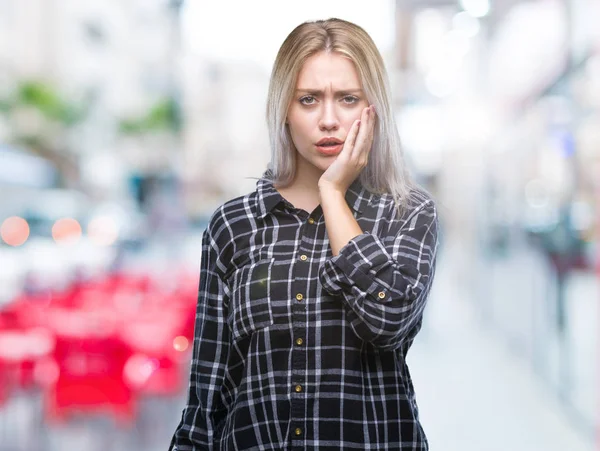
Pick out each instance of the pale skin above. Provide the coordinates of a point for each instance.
(339, 220)
(329, 102)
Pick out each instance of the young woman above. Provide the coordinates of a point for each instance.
(312, 287)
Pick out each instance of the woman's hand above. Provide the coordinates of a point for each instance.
(354, 155)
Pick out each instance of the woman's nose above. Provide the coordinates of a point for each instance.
(329, 119)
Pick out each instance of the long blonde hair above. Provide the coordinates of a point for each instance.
(386, 171)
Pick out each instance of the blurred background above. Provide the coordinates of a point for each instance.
(125, 123)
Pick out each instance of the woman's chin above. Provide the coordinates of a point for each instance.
(323, 163)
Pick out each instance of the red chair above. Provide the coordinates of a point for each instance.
(156, 366)
(23, 343)
(90, 359)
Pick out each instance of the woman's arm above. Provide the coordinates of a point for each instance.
(204, 411)
(384, 282)
(339, 220)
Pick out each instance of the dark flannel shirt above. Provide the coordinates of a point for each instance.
(297, 349)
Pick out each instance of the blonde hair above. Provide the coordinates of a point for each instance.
(386, 171)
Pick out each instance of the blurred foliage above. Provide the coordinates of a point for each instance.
(46, 100)
(59, 115)
(163, 116)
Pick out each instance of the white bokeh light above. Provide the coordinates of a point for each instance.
(476, 8)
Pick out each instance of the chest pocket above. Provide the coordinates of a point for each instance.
(250, 300)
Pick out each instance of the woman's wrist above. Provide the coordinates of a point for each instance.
(327, 190)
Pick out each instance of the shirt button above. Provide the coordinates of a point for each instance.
(381, 295)
(298, 431)
(299, 296)
(303, 258)
(298, 388)
(311, 221)
(299, 341)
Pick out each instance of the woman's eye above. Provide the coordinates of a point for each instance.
(307, 100)
(310, 100)
(350, 99)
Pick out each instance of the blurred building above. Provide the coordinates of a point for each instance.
(225, 136)
(116, 59)
(499, 111)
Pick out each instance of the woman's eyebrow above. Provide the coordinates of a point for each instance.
(320, 92)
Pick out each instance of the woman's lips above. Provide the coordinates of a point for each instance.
(330, 150)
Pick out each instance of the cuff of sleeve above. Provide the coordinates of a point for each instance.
(351, 266)
(365, 251)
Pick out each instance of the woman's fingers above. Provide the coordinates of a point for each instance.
(350, 143)
(363, 140)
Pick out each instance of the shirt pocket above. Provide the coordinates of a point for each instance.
(250, 302)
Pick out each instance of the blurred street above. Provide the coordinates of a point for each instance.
(476, 390)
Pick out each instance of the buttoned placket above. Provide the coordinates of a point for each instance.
(299, 311)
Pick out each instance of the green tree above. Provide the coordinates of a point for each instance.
(163, 116)
(39, 119)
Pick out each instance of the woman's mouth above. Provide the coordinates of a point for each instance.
(330, 148)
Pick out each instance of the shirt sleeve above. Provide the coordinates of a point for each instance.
(385, 281)
(205, 411)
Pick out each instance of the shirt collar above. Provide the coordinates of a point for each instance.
(357, 197)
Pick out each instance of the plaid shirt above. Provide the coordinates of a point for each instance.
(296, 349)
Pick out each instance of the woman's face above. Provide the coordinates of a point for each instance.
(327, 100)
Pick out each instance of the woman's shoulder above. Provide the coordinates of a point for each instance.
(416, 200)
(420, 198)
(231, 215)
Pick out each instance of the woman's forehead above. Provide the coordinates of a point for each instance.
(328, 72)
